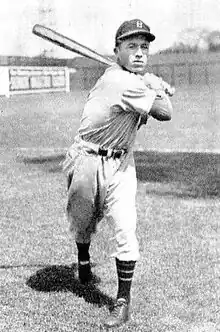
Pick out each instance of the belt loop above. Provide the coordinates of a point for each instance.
(110, 152)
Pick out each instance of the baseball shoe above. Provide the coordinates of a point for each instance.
(84, 272)
(119, 314)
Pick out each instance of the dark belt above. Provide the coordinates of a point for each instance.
(111, 153)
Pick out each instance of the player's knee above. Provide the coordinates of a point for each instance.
(127, 245)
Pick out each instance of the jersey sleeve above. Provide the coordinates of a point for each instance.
(138, 100)
(128, 91)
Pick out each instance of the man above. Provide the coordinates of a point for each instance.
(100, 165)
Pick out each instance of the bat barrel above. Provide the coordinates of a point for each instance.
(69, 44)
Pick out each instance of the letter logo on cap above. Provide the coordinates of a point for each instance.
(139, 24)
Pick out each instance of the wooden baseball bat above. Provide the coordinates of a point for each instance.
(69, 44)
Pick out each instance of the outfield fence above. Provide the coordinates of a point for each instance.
(20, 75)
(178, 74)
(188, 74)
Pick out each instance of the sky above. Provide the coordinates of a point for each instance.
(94, 22)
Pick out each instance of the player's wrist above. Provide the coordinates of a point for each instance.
(152, 81)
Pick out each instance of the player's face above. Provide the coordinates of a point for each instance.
(132, 54)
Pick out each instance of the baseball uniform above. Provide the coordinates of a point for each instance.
(105, 185)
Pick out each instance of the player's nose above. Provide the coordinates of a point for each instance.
(139, 52)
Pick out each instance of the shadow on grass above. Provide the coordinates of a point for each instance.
(57, 158)
(180, 174)
(51, 163)
(61, 278)
(47, 163)
(17, 266)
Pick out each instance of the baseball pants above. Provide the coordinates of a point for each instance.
(101, 186)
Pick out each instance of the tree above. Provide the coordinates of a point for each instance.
(214, 41)
(192, 40)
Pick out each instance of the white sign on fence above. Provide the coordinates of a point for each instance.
(19, 80)
(4, 81)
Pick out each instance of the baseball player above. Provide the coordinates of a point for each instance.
(100, 166)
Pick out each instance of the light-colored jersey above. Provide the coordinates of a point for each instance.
(114, 108)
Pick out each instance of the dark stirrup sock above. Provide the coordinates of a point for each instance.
(125, 271)
(83, 252)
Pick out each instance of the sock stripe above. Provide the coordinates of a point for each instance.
(84, 262)
(126, 271)
(126, 279)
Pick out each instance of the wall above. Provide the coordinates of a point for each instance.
(178, 69)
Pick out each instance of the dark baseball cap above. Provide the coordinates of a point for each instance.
(133, 27)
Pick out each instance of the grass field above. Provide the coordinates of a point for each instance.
(176, 284)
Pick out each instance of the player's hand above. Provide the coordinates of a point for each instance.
(169, 90)
(158, 84)
(152, 81)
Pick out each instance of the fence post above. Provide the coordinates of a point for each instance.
(190, 73)
(173, 81)
(206, 74)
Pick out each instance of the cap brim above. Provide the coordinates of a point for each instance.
(150, 36)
